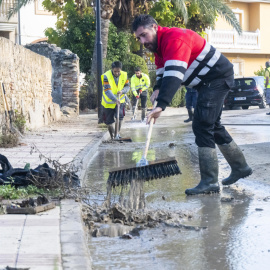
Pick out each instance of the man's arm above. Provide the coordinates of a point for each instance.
(159, 75)
(146, 83)
(176, 54)
(126, 87)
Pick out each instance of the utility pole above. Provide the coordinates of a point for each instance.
(99, 61)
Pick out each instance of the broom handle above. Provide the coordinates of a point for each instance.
(117, 118)
(149, 134)
(137, 101)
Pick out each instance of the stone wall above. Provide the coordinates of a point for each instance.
(27, 79)
(65, 76)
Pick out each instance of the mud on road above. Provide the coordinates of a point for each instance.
(233, 225)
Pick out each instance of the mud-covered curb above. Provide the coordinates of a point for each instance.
(73, 236)
(87, 154)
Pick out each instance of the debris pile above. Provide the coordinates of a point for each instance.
(127, 223)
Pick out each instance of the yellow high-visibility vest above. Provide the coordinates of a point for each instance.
(268, 69)
(139, 83)
(106, 102)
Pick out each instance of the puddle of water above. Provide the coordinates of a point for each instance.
(237, 234)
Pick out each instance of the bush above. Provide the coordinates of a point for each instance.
(179, 98)
(260, 72)
(19, 121)
(8, 139)
(133, 60)
(152, 76)
(83, 98)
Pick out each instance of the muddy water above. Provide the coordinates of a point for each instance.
(237, 219)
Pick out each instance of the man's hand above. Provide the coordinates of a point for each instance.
(137, 97)
(140, 90)
(119, 93)
(154, 96)
(118, 102)
(154, 114)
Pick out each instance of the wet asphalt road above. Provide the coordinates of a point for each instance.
(237, 220)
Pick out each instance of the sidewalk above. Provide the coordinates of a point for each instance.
(54, 239)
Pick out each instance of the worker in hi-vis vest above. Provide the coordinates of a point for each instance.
(140, 83)
(267, 83)
(115, 82)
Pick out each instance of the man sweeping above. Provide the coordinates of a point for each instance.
(140, 83)
(184, 57)
(115, 84)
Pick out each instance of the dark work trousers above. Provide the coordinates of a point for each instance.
(109, 114)
(143, 98)
(191, 99)
(206, 123)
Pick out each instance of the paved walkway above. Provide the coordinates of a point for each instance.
(53, 239)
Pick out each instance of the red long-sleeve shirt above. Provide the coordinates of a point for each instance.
(184, 57)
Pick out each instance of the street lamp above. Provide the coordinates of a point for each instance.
(99, 61)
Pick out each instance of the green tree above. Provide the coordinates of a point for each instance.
(75, 30)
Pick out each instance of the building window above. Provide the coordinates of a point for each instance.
(239, 14)
(238, 67)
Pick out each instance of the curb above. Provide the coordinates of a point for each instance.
(87, 154)
(73, 237)
(75, 253)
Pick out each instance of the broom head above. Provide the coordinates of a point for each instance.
(154, 170)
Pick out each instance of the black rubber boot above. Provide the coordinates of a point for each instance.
(143, 113)
(111, 131)
(190, 116)
(209, 172)
(236, 160)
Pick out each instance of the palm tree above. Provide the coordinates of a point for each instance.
(211, 8)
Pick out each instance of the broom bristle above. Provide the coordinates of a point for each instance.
(155, 170)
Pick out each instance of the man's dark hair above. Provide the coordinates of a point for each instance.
(137, 69)
(267, 64)
(144, 20)
(117, 64)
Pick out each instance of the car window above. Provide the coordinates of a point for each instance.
(244, 83)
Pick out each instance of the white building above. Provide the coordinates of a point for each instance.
(29, 25)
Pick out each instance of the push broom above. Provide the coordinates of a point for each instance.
(117, 136)
(135, 110)
(144, 170)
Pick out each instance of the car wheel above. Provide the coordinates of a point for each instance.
(263, 105)
(245, 107)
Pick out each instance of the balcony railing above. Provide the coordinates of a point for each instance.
(230, 41)
(4, 8)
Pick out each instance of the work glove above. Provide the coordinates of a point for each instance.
(140, 91)
(137, 97)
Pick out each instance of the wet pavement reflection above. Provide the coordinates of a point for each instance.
(237, 220)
